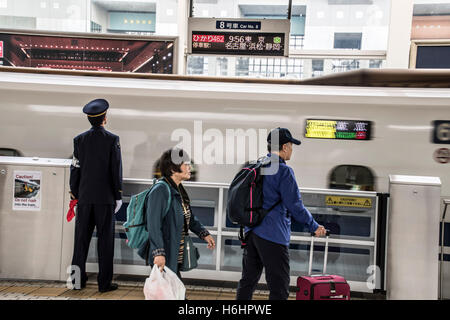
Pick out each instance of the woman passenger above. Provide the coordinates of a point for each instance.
(166, 223)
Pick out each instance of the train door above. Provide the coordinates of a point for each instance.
(346, 177)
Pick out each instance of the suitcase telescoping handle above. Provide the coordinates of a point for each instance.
(327, 235)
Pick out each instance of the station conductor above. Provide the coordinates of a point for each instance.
(96, 182)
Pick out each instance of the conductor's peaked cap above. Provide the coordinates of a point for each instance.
(96, 108)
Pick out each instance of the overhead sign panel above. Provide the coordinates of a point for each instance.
(338, 129)
(267, 37)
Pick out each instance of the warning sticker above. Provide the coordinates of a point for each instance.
(27, 190)
(348, 202)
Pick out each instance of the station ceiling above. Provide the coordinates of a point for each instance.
(120, 5)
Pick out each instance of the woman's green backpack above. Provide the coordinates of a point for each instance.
(136, 224)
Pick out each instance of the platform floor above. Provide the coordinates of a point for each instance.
(128, 290)
(131, 288)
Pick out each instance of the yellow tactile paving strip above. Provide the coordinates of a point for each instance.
(112, 295)
(48, 292)
(19, 289)
(135, 294)
(57, 290)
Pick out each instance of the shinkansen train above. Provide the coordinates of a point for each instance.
(356, 129)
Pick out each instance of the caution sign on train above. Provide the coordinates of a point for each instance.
(340, 201)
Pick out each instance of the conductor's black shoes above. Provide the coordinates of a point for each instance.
(112, 287)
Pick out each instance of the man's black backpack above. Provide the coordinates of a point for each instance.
(245, 197)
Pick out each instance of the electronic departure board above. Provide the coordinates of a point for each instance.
(338, 129)
(264, 44)
(239, 37)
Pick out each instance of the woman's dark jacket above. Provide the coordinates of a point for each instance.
(165, 230)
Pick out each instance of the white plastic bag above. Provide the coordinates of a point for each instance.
(163, 285)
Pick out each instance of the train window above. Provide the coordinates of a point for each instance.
(7, 152)
(347, 40)
(157, 171)
(127, 55)
(352, 177)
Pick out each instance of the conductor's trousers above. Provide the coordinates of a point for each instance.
(102, 217)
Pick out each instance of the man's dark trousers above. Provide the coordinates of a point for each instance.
(274, 257)
(89, 216)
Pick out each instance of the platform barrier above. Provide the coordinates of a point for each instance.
(444, 253)
(413, 238)
(352, 217)
(33, 198)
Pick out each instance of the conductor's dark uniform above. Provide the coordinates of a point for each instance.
(96, 181)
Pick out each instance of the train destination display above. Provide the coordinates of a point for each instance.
(338, 129)
(264, 44)
(239, 37)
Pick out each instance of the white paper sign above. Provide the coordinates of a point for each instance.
(27, 190)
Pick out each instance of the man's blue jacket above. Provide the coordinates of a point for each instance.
(276, 225)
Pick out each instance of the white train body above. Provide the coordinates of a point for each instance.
(41, 114)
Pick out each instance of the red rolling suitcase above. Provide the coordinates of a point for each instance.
(322, 287)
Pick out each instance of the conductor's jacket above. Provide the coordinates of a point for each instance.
(96, 170)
